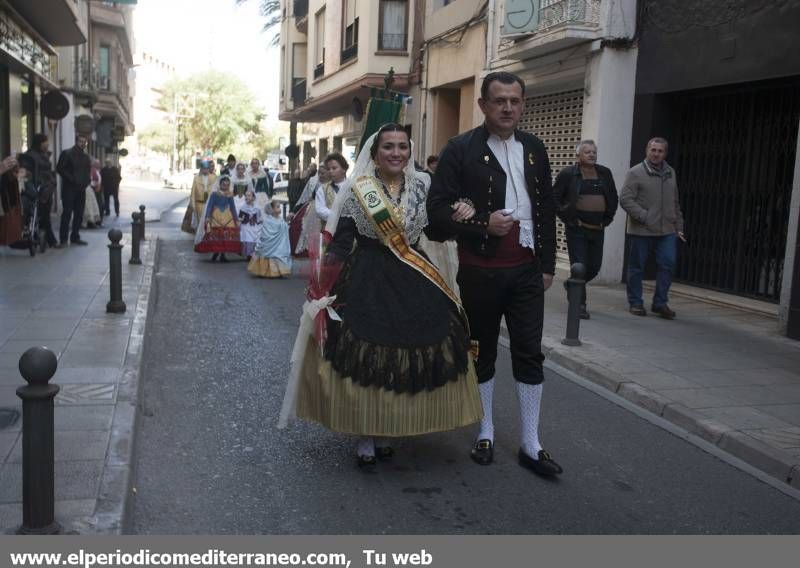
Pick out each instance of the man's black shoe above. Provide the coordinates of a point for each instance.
(545, 465)
(483, 452)
(584, 313)
(663, 311)
(79, 242)
(384, 453)
(367, 463)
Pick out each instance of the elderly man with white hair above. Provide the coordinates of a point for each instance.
(586, 200)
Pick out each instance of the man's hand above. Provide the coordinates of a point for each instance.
(462, 211)
(500, 224)
(681, 236)
(547, 280)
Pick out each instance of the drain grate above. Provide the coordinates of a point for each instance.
(8, 417)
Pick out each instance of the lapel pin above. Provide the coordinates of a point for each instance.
(486, 159)
(530, 159)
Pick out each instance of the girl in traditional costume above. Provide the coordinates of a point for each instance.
(250, 220)
(389, 348)
(218, 231)
(272, 257)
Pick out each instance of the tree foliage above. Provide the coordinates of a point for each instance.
(216, 111)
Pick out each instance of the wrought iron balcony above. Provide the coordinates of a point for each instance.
(349, 53)
(319, 70)
(86, 76)
(298, 91)
(556, 12)
(561, 24)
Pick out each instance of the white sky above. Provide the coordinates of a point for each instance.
(194, 35)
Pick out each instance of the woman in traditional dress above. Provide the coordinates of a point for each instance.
(392, 358)
(10, 202)
(240, 183)
(250, 220)
(305, 221)
(260, 182)
(218, 230)
(272, 257)
(91, 210)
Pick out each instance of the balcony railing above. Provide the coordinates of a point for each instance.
(300, 8)
(319, 70)
(299, 91)
(392, 42)
(86, 76)
(556, 12)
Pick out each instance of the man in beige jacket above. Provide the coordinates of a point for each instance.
(655, 222)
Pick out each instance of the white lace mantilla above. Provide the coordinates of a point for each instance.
(412, 201)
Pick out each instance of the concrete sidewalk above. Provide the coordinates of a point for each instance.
(719, 372)
(58, 299)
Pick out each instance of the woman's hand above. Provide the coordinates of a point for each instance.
(7, 164)
(463, 211)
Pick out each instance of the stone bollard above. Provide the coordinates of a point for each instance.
(115, 305)
(141, 220)
(575, 287)
(135, 235)
(37, 366)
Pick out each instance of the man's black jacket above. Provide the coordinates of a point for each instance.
(111, 179)
(567, 186)
(74, 167)
(469, 170)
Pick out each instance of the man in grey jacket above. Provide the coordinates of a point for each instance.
(650, 197)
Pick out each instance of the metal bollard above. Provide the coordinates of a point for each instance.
(135, 235)
(115, 305)
(37, 366)
(575, 286)
(141, 229)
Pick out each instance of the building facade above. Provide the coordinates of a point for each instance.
(30, 31)
(578, 59)
(721, 81)
(333, 52)
(97, 79)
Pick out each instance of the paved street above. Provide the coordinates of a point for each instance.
(210, 460)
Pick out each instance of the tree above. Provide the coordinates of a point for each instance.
(218, 111)
(271, 12)
(157, 138)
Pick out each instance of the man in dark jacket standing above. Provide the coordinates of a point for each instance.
(586, 200)
(111, 178)
(506, 251)
(74, 167)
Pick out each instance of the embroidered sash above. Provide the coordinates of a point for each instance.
(390, 230)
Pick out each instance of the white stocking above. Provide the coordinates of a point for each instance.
(530, 401)
(366, 446)
(487, 425)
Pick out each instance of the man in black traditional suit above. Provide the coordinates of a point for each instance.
(506, 251)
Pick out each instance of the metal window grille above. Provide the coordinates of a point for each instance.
(734, 155)
(556, 120)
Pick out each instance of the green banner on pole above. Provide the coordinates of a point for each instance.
(380, 110)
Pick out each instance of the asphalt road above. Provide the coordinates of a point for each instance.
(210, 459)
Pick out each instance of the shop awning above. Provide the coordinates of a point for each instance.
(54, 20)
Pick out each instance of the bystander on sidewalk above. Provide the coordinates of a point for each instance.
(721, 373)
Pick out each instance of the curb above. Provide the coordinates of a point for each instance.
(775, 463)
(116, 485)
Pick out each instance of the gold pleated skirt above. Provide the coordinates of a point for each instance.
(268, 267)
(338, 403)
